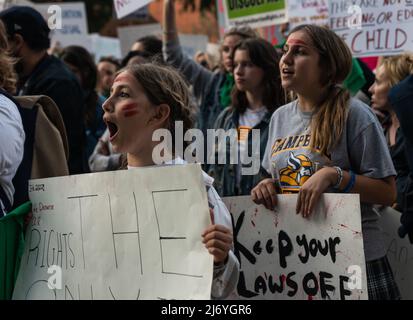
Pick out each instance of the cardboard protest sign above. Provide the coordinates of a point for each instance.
(126, 7)
(373, 27)
(133, 234)
(307, 12)
(399, 252)
(254, 13)
(284, 256)
(68, 23)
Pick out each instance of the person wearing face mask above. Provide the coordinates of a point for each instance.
(42, 74)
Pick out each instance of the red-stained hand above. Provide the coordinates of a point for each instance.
(218, 240)
(312, 189)
(265, 193)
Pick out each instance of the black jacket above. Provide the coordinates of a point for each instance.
(401, 99)
(52, 78)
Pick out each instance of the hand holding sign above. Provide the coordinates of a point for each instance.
(218, 240)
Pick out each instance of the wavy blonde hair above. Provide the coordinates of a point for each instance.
(8, 78)
(335, 63)
(398, 67)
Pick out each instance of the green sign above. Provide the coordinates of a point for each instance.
(245, 8)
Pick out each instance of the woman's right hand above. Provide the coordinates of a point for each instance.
(265, 193)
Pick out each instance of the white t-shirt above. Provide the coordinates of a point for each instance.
(12, 145)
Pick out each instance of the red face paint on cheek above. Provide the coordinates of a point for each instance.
(130, 109)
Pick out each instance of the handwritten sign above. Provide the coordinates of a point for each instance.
(254, 13)
(373, 27)
(132, 234)
(399, 252)
(284, 256)
(73, 29)
(307, 12)
(126, 7)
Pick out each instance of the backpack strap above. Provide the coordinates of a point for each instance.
(6, 202)
(50, 110)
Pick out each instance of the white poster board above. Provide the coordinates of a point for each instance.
(104, 46)
(374, 27)
(284, 256)
(307, 12)
(73, 29)
(132, 234)
(399, 252)
(191, 43)
(126, 7)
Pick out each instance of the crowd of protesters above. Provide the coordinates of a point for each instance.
(317, 133)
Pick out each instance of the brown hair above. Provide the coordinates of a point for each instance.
(263, 55)
(335, 63)
(163, 84)
(243, 32)
(8, 77)
(398, 67)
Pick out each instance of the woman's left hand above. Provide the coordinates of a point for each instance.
(218, 240)
(312, 189)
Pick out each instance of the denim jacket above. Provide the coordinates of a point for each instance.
(225, 174)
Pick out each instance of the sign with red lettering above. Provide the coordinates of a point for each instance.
(284, 256)
(373, 27)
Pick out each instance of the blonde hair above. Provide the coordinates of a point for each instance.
(398, 67)
(335, 63)
(8, 78)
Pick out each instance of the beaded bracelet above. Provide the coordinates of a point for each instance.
(340, 177)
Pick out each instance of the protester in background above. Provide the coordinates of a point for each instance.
(148, 97)
(135, 57)
(389, 73)
(202, 58)
(81, 63)
(211, 90)
(151, 46)
(106, 68)
(11, 127)
(41, 74)
(339, 145)
(255, 96)
(401, 97)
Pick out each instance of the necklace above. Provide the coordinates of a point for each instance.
(305, 122)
